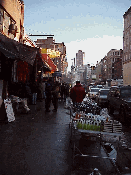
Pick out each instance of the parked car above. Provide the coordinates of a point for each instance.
(119, 98)
(99, 86)
(101, 97)
(92, 93)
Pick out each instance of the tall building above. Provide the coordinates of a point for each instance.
(127, 48)
(80, 58)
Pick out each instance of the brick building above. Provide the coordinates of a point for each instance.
(112, 56)
(60, 61)
(118, 69)
(127, 48)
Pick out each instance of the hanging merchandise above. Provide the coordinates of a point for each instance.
(1, 89)
(9, 110)
(22, 71)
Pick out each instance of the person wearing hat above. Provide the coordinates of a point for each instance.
(77, 93)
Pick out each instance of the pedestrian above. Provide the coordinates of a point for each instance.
(55, 93)
(28, 93)
(48, 93)
(67, 90)
(77, 93)
(62, 90)
(43, 88)
(34, 92)
(40, 90)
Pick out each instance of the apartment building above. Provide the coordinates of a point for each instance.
(113, 56)
(104, 74)
(12, 19)
(80, 58)
(127, 48)
(48, 43)
(93, 74)
(99, 71)
(59, 60)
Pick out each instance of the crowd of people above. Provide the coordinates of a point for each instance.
(47, 89)
(50, 90)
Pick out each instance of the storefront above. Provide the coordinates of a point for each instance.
(18, 63)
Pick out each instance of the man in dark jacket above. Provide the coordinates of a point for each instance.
(55, 92)
(77, 93)
(48, 92)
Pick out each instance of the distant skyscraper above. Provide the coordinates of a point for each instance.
(80, 58)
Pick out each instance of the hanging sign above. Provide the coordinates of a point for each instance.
(9, 110)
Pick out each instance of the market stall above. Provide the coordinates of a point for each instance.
(93, 134)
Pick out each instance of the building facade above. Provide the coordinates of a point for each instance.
(127, 48)
(12, 19)
(98, 71)
(113, 56)
(58, 55)
(104, 74)
(80, 58)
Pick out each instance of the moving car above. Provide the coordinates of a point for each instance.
(101, 97)
(92, 93)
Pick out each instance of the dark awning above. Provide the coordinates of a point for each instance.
(15, 50)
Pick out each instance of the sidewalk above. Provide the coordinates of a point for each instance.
(36, 143)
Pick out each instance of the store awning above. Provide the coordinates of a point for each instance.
(15, 50)
(48, 61)
(41, 64)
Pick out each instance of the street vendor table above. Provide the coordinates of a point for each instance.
(105, 137)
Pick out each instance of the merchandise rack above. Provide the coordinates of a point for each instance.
(110, 130)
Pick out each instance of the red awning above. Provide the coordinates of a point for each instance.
(51, 64)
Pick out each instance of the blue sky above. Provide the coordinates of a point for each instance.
(93, 26)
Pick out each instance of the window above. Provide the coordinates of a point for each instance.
(1, 19)
(6, 22)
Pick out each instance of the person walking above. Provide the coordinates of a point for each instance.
(40, 90)
(55, 92)
(43, 86)
(77, 93)
(48, 93)
(62, 90)
(34, 92)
